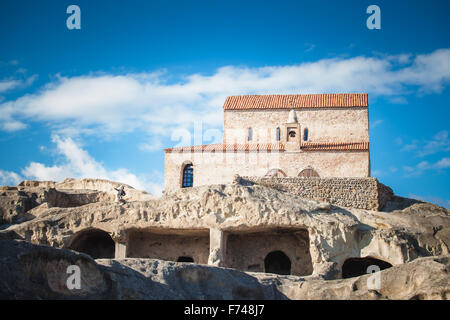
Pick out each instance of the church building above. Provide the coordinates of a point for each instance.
(297, 135)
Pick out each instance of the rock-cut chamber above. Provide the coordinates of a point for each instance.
(94, 242)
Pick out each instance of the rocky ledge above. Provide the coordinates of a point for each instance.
(229, 231)
(29, 271)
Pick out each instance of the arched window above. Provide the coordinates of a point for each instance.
(308, 173)
(278, 134)
(188, 176)
(250, 134)
(305, 134)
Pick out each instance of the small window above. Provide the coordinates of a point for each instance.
(305, 134)
(250, 134)
(188, 176)
(278, 134)
(292, 134)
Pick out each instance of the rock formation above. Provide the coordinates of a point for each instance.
(235, 226)
(29, 271)
(17, 201)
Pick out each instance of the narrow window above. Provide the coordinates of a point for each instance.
(250, 134)
(305, 134)
(188, 176)
(278, 134)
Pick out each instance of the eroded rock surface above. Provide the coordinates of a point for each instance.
(30, 271)
(17, 201)
(216, 224)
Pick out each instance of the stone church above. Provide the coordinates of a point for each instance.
(299, 135)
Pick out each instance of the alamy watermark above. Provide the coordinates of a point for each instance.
(74, 280)
(374, 281)
(374, 20)
(74, 20)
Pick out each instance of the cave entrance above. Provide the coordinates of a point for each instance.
(277, 262)
(253, 251)
(180, 245)
(185, 259)
(94, 242)
(354, 267)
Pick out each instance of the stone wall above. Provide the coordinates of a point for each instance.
(362, 193)
(323, 124)
(221, 167)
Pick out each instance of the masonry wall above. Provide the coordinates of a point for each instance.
(219, 167)
(324, 124)
(363, 193)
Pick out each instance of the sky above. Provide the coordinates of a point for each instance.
(138, 76)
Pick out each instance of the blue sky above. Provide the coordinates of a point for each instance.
(105, 100)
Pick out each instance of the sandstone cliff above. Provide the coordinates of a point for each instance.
(329, 236)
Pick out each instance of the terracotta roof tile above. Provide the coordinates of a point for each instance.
(296, 101)
(266, 147)
(276, 147)
(334, 146)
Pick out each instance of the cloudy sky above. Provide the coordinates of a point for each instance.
(103, 101)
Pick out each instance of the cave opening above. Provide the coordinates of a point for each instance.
(277, 262)
(94, 242)
(354, 267)
(185, 259)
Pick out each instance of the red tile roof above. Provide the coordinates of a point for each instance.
(276, 147)
(335, 146)
(296, 101)
(219, 147)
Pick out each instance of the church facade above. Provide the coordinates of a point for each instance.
(301, 135)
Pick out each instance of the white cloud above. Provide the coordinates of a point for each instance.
(12, 125)
(9, 178)
(154, 145)
(6, 85)
(107, 103)
(443, 163)
(10, 84)
(77, 163)
(437, 200)
(376, 123)
(423, 166)
(376, 173)
(440, 142)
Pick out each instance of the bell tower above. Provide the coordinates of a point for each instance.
(293, 134)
